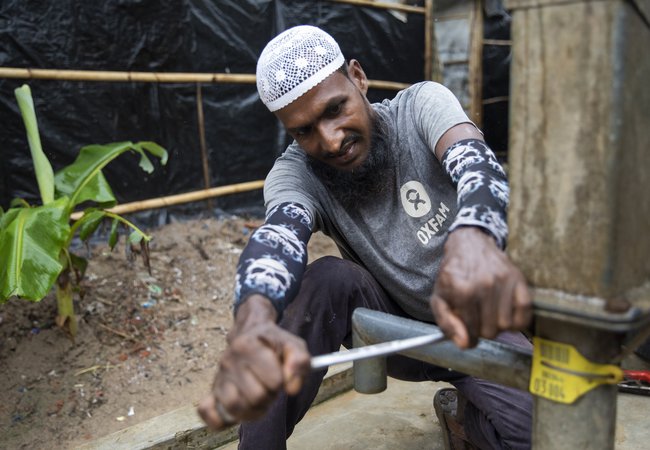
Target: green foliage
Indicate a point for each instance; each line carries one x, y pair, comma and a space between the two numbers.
42, 166
34, 240
30, 242
83, 179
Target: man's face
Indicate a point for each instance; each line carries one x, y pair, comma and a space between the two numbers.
332, 121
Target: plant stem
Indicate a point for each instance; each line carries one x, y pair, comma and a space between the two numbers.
129, 224
73, 230
42, 166
66, 318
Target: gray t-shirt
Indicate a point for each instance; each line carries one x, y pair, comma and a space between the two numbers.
397, 236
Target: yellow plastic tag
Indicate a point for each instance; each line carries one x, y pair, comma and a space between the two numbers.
561, 374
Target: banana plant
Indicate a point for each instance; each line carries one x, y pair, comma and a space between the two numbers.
35, 239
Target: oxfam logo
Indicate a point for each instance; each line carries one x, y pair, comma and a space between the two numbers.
415, 200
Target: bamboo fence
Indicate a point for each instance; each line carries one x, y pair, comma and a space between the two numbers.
432, 71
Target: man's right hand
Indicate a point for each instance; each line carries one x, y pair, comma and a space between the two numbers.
260, 361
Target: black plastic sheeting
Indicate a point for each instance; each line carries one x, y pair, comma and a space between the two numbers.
243, 138
496, 76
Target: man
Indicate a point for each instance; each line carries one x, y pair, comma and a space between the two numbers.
413, 197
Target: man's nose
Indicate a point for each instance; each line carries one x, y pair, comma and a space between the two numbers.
330, 138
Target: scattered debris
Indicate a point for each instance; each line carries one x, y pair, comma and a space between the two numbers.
94, 369
159, 330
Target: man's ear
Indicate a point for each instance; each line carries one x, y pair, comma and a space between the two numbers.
358, 76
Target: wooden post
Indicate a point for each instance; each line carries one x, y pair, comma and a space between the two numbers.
432, 67
579, 213
475, 76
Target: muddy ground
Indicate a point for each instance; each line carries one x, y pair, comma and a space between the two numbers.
147, 343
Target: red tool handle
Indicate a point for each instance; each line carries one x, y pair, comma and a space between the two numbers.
639, 375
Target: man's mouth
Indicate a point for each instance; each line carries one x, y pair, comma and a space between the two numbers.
348, 152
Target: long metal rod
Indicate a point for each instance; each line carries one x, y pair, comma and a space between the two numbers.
491, 360
372, 351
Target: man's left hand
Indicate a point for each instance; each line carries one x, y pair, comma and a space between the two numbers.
479, 291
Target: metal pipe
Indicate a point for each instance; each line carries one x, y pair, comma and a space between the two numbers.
369, 374
490, 360
590, 422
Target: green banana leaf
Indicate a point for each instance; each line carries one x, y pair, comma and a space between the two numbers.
112, 237
83, 179
42, 166
91, 220
31, 240
97, 190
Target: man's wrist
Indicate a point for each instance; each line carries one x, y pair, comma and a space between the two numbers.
470, 233
253, 311
475, 229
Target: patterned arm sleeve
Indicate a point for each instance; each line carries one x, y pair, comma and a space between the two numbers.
483, 192
274, 260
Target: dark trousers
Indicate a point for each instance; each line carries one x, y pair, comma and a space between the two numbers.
496, 417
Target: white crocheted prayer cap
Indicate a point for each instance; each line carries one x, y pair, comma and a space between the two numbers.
293, 62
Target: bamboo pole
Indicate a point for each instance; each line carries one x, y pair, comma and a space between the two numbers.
505, 42
456, 62
390, 85
113, 76
384, 5
428, 31
205, 163
177, 199
490, 101
476, 65
432, 66
154, 77
453, 16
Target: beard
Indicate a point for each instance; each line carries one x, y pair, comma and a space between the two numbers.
368, 180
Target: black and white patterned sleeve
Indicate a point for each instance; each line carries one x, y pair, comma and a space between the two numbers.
274, 260
482, 186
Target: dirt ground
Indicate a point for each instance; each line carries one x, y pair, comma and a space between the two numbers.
147, 344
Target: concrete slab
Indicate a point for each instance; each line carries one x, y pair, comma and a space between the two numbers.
632, 422
399, 418
402, 418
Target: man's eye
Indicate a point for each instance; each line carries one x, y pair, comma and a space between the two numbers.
302, 132
335, 109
